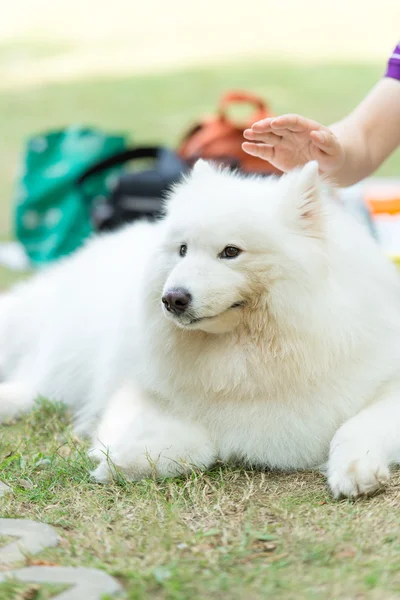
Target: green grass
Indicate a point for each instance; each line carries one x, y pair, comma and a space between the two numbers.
228, 533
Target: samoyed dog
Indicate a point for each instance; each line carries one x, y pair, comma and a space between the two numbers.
256, 322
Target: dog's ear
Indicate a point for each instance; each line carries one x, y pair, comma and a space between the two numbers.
305, 192
202, 167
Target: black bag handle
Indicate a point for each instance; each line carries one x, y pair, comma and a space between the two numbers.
119, 159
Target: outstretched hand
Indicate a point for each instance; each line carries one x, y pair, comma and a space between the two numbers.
290, 141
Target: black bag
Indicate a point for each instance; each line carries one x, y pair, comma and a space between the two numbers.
137, 194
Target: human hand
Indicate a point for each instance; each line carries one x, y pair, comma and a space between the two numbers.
291, 141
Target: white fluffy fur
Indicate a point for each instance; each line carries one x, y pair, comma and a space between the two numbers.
305, 369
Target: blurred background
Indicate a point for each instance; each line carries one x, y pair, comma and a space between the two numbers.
152, 68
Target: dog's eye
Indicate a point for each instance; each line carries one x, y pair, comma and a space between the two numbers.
183, 250
230, 252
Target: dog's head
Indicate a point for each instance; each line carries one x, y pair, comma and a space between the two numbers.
236, 245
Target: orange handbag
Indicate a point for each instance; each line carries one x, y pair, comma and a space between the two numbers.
220, 139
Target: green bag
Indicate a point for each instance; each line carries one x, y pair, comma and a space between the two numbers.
52, 215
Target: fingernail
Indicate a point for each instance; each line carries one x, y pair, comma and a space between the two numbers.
259, 124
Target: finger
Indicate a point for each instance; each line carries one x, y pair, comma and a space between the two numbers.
260, 150
326, 162
325, 141
294, 123
249, 134
263, 125
272, 139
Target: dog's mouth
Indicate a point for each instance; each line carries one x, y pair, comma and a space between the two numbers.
186, 320
208, 317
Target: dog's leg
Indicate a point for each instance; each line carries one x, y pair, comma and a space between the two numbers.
364, 447
15, 399
135, 438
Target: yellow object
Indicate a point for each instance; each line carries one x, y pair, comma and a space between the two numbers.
396, 259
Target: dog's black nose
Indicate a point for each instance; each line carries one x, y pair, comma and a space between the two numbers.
177, 301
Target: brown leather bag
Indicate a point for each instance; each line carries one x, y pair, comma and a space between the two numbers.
219, 139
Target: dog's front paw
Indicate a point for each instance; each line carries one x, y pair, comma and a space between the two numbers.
356, 476
111, 468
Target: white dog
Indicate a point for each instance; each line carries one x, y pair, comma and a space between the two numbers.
256, 322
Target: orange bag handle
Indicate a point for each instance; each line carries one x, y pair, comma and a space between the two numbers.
238, 97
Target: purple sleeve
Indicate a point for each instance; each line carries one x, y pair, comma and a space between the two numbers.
393, 68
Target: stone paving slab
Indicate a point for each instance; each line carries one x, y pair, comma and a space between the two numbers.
87, 584
32, 537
